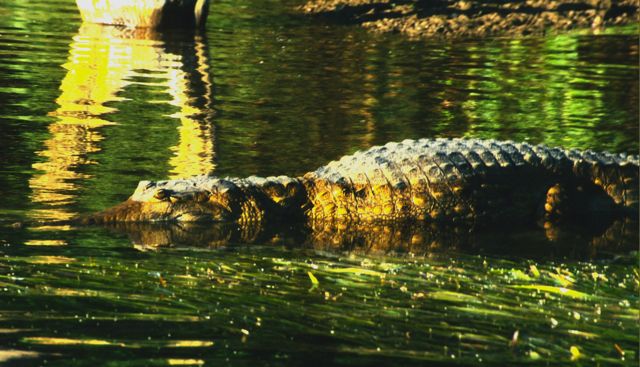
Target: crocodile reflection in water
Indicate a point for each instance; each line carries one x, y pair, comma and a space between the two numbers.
620, 237
103, 62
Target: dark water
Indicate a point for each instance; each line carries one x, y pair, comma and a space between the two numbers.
87, 111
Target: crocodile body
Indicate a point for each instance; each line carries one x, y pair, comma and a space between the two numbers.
427, 181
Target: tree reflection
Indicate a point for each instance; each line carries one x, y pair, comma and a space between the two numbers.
104, 62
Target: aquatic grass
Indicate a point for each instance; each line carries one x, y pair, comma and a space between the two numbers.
435, 302
554, 290
413, 308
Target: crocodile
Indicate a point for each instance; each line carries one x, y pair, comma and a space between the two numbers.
459, 181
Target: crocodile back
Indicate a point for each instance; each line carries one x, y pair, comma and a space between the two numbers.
461, 179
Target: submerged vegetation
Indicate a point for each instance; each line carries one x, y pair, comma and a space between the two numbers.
292, 305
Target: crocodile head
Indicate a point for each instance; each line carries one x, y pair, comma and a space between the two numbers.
194, 200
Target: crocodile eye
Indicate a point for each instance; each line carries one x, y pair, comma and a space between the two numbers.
292, 189
274, 189
161, 194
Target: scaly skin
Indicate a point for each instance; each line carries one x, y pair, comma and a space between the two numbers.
432, 181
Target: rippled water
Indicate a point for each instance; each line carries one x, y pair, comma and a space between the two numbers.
87, 111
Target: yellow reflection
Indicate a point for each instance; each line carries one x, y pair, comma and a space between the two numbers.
45, 243
49, 260
194, 154
65, 341
7, 354
100, 342
13, 331
65, 150
190, 343
51, 228
103, 62
184, 362
74, 292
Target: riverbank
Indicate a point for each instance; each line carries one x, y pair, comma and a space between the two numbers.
447, 18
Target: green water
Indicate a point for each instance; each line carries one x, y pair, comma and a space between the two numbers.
86, 112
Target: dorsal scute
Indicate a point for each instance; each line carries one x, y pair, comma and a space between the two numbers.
456, 162
455, 158
528, 154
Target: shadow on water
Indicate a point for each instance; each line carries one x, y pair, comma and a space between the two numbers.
104, 63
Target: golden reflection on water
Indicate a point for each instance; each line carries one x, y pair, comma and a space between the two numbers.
194, 155
103, 62
65, 341
8, 354
40, 242
124, 344
185, 362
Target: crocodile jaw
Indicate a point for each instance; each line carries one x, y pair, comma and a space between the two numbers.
171, 201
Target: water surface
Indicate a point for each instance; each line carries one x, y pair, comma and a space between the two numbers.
87, 111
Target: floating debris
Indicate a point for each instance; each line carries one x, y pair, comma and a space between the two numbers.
575, 352
314, 280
